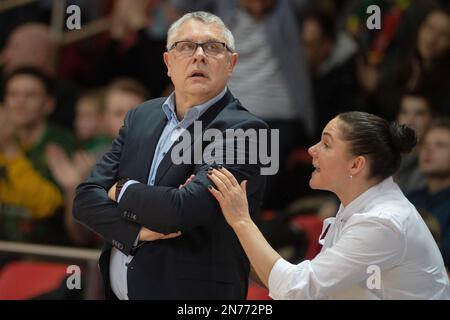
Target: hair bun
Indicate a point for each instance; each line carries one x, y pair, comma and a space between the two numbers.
403, 137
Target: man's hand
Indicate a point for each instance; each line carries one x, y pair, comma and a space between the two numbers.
149, 235
112, 192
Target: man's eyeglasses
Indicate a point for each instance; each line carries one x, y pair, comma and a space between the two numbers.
210, 48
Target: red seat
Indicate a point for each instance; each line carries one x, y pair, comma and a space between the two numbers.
256, 292
24, 280
312, 224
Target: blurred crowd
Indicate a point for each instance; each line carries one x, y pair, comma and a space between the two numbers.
301, 62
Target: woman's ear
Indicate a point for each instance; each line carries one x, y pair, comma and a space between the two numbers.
359, 164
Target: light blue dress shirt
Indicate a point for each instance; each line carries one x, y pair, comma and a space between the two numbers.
172, 131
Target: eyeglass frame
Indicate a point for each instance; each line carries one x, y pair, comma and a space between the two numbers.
201, 44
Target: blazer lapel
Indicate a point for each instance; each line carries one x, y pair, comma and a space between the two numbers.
152, 130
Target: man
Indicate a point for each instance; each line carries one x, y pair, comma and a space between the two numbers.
415, 111
434, 161
31, 198
271, 79
31, 45
121, 95
141, 219
331, 60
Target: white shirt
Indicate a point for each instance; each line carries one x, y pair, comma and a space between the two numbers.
378, 247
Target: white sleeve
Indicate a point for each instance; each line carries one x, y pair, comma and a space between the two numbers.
373, 241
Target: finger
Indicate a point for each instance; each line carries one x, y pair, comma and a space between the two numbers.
217, 194
172, 235
228, 174
221, 186
244, 186
223, 178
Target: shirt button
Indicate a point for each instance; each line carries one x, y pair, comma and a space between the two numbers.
153, 181
163, 154
126, 264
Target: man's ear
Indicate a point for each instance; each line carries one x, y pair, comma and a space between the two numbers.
166, 58
359, 164
233, 60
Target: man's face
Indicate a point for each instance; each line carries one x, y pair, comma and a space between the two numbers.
434, 36
435, 153
258, 8
87, 118
117, 105
415, 112
29, 45
198, 78
317, 47
27, 101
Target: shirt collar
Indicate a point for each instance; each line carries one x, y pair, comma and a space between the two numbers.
193, 113
363, 202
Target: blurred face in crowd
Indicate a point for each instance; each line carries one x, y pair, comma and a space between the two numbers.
258, 8
88, 118
117, 104
317, 47
415, 112
434, 36
199, 77
29, 45
435, 153
331, 159
27, 101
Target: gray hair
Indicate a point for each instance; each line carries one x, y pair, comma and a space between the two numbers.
207, 18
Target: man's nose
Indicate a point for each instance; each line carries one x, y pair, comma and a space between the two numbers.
199, 54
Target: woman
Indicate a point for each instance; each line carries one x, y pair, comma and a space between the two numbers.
377, 247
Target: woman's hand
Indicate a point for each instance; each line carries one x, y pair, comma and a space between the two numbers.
232, 197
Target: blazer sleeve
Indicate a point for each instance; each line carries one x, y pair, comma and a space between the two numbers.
168, 209
94, 209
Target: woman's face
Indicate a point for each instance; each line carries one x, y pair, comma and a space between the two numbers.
331, 160
434, 36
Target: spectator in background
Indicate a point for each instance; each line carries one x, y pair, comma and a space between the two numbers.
89, 112
425, 66
122, 95
435, 164
70, 171
332, 66
416, 112
31, 200
119, 97
134, 50
31, 45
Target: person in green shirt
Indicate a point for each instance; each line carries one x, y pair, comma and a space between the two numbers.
31, 201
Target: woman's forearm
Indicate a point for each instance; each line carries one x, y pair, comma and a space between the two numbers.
261, 255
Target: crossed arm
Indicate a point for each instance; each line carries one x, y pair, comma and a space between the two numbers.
160, 210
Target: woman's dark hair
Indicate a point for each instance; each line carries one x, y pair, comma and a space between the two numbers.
381, 142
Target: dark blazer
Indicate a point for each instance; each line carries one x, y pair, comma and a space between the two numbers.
206, 261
